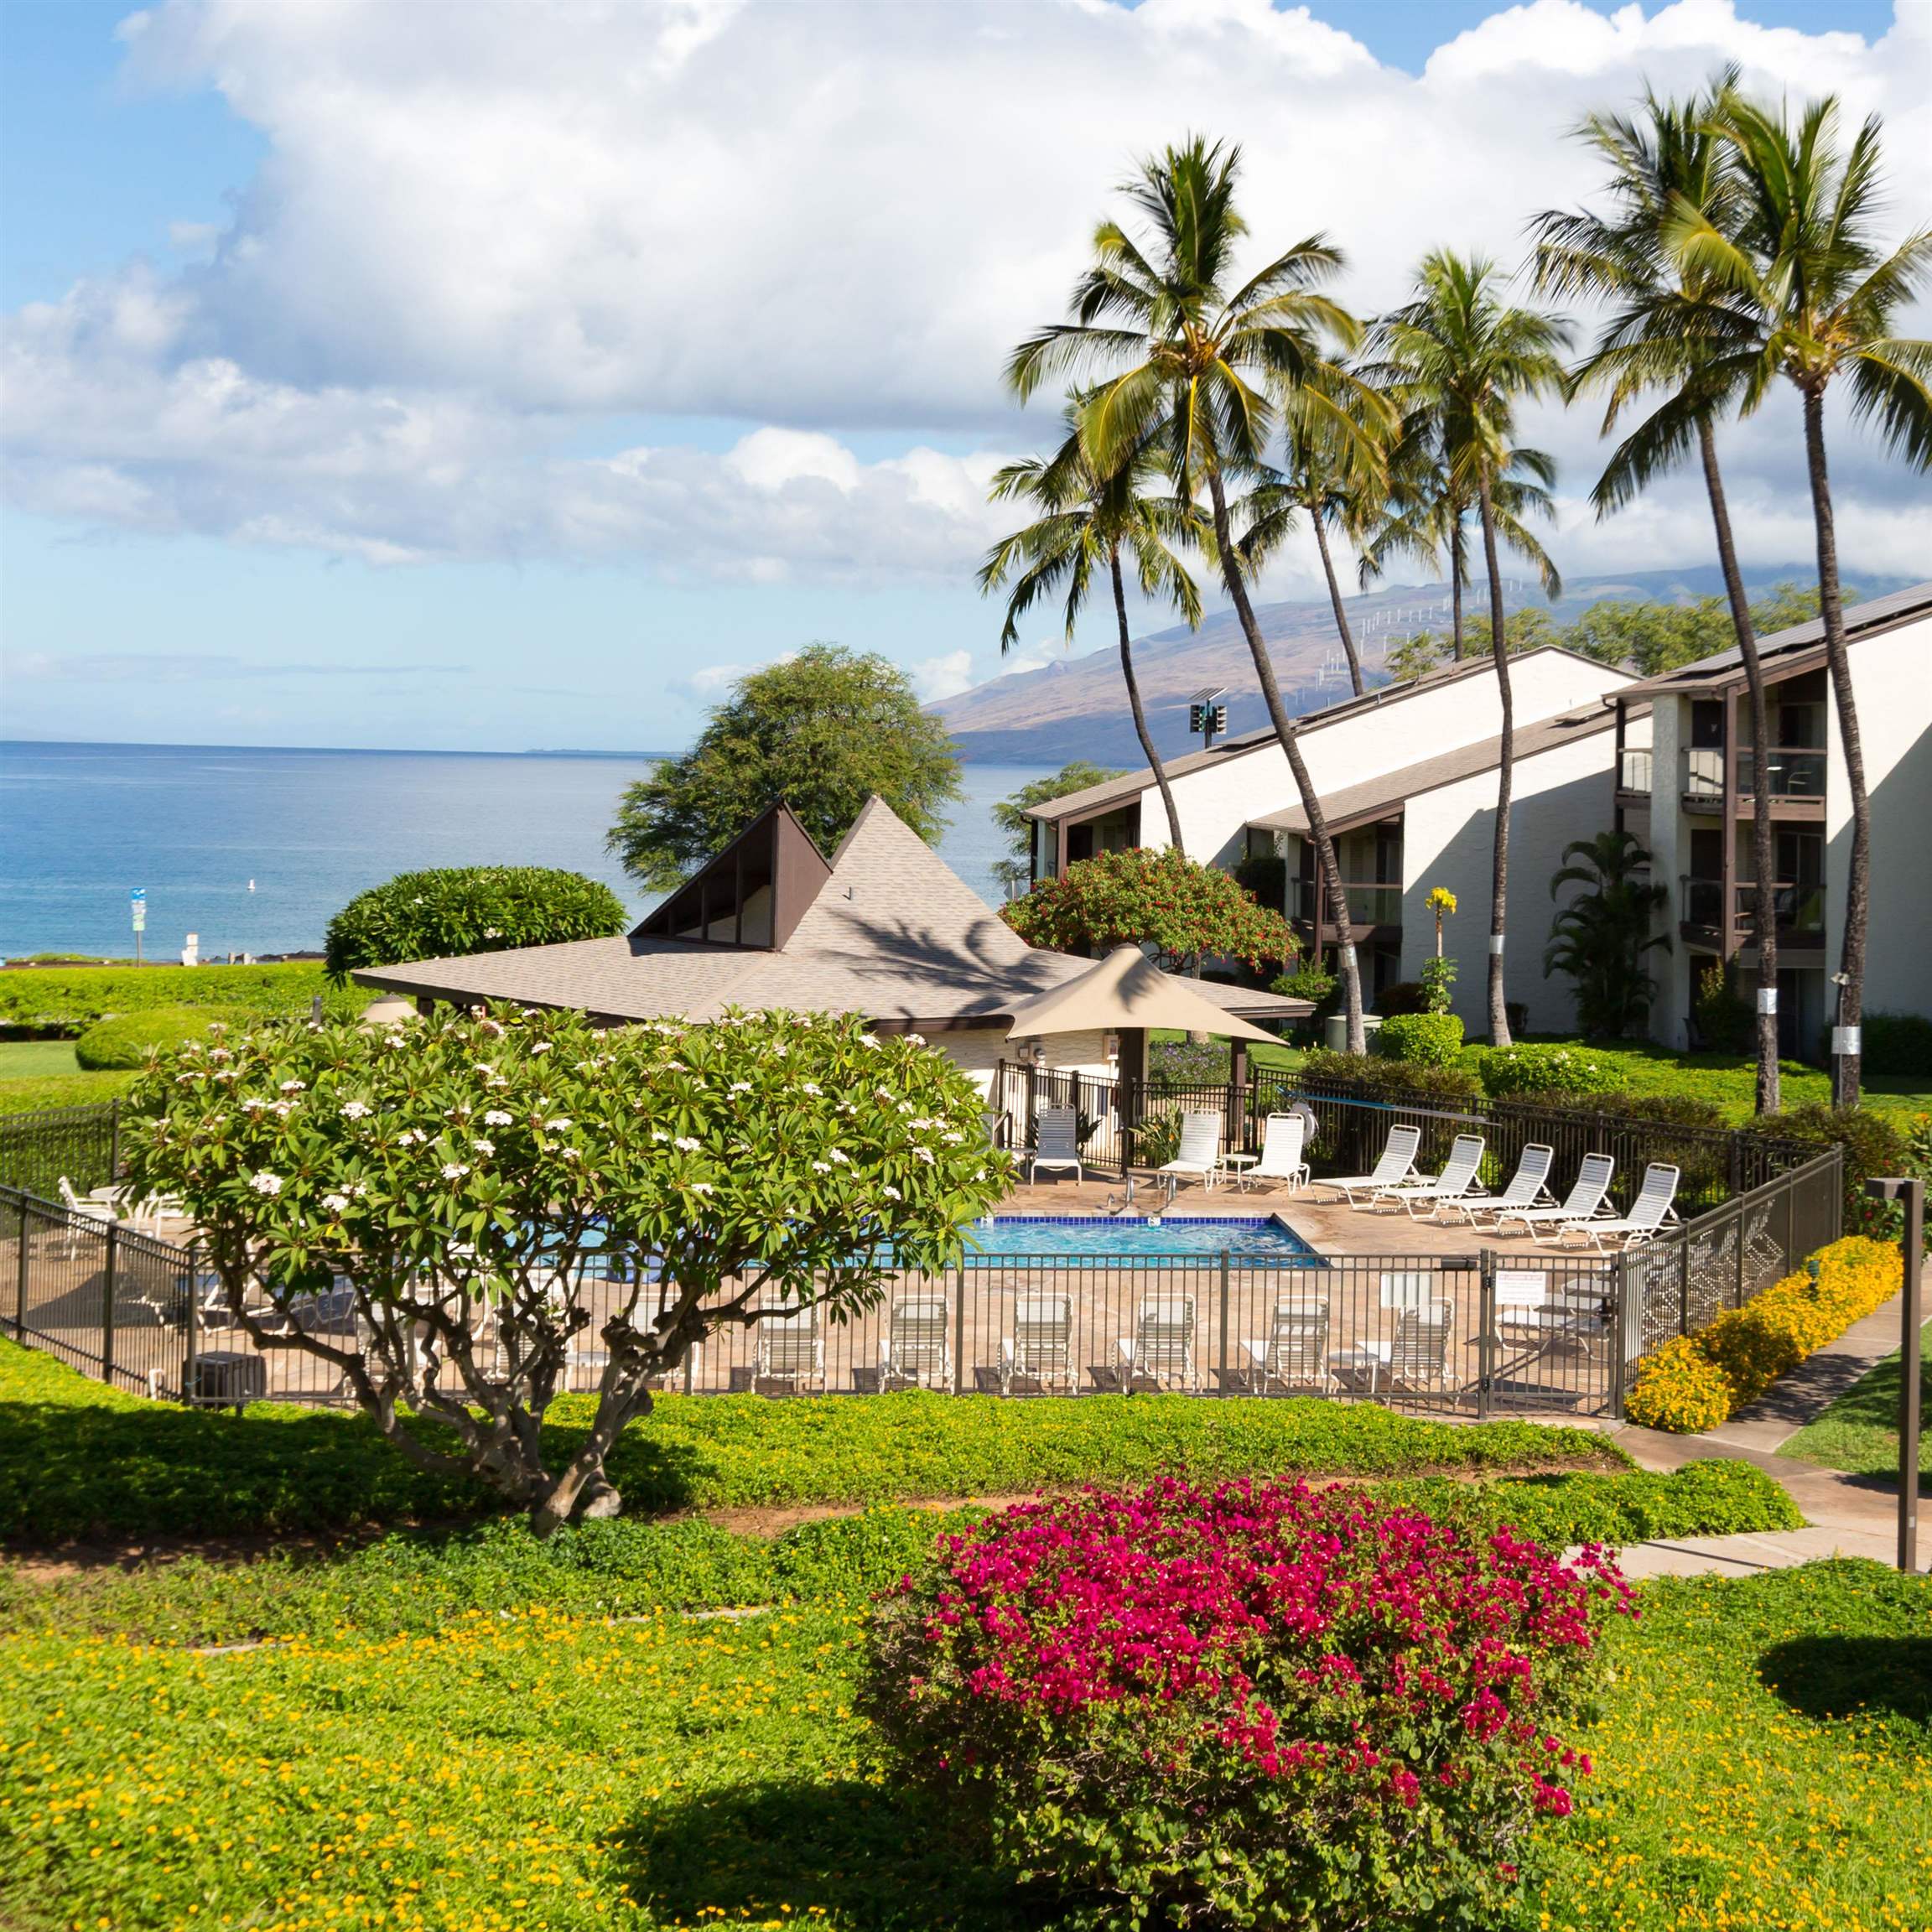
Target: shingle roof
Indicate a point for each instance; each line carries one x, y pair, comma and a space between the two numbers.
895, 934
1374, 798
1725, 666
1132, 784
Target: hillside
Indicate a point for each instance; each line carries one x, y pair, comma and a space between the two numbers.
1076, 708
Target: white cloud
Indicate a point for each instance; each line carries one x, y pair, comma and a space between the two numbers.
944, 676
479, 230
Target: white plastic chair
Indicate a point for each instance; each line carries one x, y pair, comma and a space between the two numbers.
1295, 1353
1419, 1354
1281, 1158
1457, 1177
1041, 1347
1655, 1205
791, 1347
1528, 1187
1057, 1143
1583, 1202
1163, 1346
1396, 1164
1199, 1157
917, 1351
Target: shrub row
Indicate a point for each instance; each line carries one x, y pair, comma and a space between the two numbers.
123, 1044
68, 1000
1549, 1069
1420, 1039
1696, 1382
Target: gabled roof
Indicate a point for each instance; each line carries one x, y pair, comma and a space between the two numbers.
1800, 648
893, 934
1124, 790
1376, 797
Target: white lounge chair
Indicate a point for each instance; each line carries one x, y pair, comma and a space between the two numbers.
917, 1351
1161, 1349
1281, 1156
1419, 1355
1199, 1157
1528, 1187
1294, 1354
1056, 1143
1401, 1294
1583, 1202
1655, 1205
88, 1210
1457, 1177
1040, 1349
1396, 1165
791, 1347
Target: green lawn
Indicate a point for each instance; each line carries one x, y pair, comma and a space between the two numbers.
1859, 1432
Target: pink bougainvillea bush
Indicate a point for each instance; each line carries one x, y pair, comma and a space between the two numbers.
1264, 1706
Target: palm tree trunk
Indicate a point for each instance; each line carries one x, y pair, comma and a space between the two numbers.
1763, 861
1505, 778
1335, 599
1858, 872
1325, 869
1154, 763
1456, 587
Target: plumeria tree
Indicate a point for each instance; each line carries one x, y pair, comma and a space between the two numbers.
1163, 899
501, 1192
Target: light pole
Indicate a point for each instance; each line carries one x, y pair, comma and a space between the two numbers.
1840, 1046
1911, 1195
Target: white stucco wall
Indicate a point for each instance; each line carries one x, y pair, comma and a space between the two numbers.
978, 1051
1891, 686
1217, 802
1448, 839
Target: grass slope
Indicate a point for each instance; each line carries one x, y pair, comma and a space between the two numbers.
1859, 1431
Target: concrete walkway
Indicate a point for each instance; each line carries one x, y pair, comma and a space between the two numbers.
1848, 1515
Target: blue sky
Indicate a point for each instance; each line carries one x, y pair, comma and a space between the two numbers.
456, 376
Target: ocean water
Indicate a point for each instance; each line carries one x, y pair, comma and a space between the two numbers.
255, 850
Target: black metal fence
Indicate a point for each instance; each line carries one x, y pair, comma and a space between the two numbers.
82, 1145
1126, 1123
1512, 1327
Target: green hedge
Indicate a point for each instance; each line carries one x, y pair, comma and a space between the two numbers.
1511, 1070
1420, 1039
119, 1045
68, 1000
1380, 1080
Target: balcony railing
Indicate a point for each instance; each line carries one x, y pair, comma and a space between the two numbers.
1794, 772
1703, 773
1634, 772
1801, 908
1370, 903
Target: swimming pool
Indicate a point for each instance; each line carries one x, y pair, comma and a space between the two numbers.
1127, 1237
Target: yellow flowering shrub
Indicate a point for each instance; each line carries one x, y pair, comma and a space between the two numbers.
1696, 1382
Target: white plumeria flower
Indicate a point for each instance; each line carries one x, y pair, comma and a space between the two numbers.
809, 1087
925, 1154
336, 1202
841, 1156
254, 1105
485, 1146
572, 1154
494, 1028
676, 1066
226, 1074
686, 1143
356, 1110
540, 1046
293, 1087
869, 1040
498, 1118
491, 932
282, 1108
892, 1193
915, 1039
409, 1136
266, 1183
952, 1139
820, 1167
454, 1169
661, 1138
703, 1187
561, 1124
740, 1087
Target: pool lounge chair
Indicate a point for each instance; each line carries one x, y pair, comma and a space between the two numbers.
1056, 1144
1199, 1157
1040, 1350
1456, 1179
1161, 1349
917, 1351
1281, 1156
791, 1347
1583, 1202
1655, 1205
1294, 1354
1408, 1293
1419, 1355
1528, 1187
1397, 1164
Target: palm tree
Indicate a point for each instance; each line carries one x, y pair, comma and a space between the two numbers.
1801, 261
1673, 334
1185, 358
1461, 360
1087, 520
1600, 938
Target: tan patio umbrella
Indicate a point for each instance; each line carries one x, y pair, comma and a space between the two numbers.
1127, 990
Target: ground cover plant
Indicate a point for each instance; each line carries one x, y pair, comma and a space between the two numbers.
1859, 1431
78, 1460
1264, 1706
1696, 1382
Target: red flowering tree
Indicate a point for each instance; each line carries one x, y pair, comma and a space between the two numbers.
1265, 1707
1185, 910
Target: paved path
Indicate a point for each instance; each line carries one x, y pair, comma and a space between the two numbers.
1848, 1515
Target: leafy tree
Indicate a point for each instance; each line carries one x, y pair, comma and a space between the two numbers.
1009, 815
1089, 517
1672, 339
1184, 910
1193, 356
1460, 360
1815, 297
822, 732
454, 911
498, 1191
1600, 938
1653, 637
1413, 656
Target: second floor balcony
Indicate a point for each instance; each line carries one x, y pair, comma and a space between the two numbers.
1799, 910
1797, 775
1370, 903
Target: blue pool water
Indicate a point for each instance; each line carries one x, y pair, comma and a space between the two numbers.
1257, 1237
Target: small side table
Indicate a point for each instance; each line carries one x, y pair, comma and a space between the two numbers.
1235, 1167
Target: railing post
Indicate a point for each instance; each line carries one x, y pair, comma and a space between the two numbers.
1620, 1323
1485, 1332
107, 1303
114, 1140
960, 1327
191, 1344
1222, 1372
20, 1284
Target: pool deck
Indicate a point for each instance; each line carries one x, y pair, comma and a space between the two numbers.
1324, 1222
